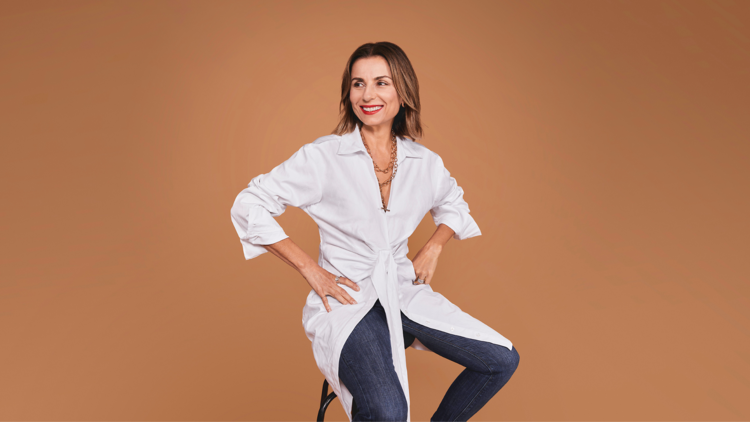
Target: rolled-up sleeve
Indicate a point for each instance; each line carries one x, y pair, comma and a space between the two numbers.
294, 182
449, 207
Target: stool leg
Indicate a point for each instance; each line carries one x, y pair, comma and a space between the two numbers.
325, 400
325, 392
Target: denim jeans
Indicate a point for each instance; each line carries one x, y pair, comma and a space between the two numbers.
366, 368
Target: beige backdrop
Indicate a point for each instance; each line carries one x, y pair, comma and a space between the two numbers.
603, 149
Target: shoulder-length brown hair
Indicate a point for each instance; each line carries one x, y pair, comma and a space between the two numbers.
406, 123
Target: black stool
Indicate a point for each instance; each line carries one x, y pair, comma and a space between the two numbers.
326, 399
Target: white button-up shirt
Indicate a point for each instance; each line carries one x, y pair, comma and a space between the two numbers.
333, 180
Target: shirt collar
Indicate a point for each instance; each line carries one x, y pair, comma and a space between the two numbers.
352, 142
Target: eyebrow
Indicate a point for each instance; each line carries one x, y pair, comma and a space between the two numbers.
378, 77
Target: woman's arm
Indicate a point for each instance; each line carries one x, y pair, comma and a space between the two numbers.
425, 261
449, 206
296, 182
322, 281
451, 215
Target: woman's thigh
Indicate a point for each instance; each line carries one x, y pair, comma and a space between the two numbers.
476, 355
366, 369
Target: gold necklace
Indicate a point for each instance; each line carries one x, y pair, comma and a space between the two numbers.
393, 164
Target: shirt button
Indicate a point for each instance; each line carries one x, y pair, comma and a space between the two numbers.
479, 334
453, 329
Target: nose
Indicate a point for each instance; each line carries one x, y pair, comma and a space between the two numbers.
369, 93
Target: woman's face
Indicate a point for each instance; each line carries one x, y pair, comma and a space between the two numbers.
372, 93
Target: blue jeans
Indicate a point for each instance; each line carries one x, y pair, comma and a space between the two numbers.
366, 368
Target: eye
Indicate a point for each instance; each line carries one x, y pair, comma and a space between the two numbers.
357, 84
384, 83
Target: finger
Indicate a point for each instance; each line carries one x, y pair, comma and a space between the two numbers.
427, 279
349, 283
346, 298
325, 302
420, 279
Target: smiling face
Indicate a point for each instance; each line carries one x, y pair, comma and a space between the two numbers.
373, 94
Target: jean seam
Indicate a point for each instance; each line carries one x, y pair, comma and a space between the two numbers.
474, 398
467, 351
359, 386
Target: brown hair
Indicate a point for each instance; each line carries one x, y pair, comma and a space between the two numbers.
406, 123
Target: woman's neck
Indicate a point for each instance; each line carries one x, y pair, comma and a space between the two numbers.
378, 137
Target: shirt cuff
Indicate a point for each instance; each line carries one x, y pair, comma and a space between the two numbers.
254, 247
463, 225
261, 229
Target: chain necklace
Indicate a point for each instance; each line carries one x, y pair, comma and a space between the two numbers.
393, 164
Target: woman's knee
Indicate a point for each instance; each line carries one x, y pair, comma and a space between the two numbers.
515, 358
505, 361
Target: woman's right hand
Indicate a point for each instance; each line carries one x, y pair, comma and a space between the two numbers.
324, 283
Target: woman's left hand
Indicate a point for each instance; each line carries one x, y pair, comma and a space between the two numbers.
425, 262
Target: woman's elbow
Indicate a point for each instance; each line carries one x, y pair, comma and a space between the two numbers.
239, 210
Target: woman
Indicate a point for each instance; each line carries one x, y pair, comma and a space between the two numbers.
367, 187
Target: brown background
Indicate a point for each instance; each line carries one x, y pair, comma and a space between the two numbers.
602, 146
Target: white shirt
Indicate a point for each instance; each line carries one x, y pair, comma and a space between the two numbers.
333, 180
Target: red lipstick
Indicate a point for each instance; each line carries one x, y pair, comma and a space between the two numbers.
371, 111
